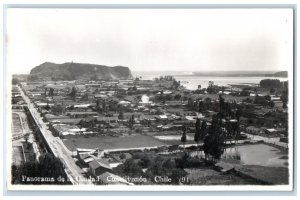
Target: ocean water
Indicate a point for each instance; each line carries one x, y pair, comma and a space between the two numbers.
191, 81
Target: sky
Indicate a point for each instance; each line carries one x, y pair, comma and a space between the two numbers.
151, 39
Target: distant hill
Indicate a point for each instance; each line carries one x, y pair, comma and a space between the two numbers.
78, 71
280, 74
243, 74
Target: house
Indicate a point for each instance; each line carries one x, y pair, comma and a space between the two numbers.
85, 159
125, 103
128, 115
252, 130
176, 103
188, 113
271, 131
66, 121
210, 113
99, 166
81, 114
107, 119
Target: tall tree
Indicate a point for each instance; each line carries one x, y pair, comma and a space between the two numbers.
197, 132
183, 137
121, 115
214, 140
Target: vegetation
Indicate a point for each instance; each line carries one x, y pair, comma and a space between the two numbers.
270, 83
48, 166
15, 81
155, 165
57, 109
183, 137
214, 140
72, 71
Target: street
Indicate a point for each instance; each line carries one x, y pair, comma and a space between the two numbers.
72, 170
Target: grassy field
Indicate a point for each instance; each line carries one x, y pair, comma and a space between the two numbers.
108, 142
17, 155
198, 176
16, 124
272, 175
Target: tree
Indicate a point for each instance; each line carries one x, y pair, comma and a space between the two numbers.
271, 104
177, 97
57, 109
261, 100
121, 115
73, 93
48, 166
201, 107
245, 93
214, 140
197, 132
284, 105
15, 81
284, 96
51, 92
223, 89
47, 107
222, 106
190, 103
272, 90
104, 106
131, 122
270, 83
129, 168
203, 130
268, 97
183, 137
210, 88
238, 114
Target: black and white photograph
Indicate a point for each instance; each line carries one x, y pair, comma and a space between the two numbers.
194, 99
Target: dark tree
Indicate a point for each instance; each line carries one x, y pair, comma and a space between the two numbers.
271, 104
121, 115
47, 107
284, 105
131, 122
270, 83
197, 132
48, 166
51, 92
183, 137
129, 168
201, 107
214, 140
268, 97
57, 109
15, 81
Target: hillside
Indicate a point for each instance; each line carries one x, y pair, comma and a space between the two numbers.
78, 71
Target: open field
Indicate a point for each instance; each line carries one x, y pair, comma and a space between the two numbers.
209, 176
108, 142
16, 124
17, 157
271, 175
